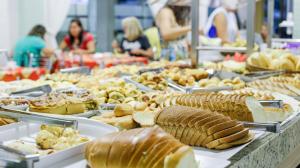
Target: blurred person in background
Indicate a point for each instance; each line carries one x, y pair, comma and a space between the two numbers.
172, 19
78, 41
32, 45
222, 22
134, 41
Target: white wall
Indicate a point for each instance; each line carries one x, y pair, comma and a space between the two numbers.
31, 12
8, 23
17, 17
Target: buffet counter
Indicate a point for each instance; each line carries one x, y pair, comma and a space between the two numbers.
272, 150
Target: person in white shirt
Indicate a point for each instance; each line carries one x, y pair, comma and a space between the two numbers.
222, 22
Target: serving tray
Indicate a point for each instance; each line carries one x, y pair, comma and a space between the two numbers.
27, 131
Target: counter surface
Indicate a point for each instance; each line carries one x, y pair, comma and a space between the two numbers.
271, 150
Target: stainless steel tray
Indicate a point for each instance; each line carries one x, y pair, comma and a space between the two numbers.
26, 131
80, 70
140, 86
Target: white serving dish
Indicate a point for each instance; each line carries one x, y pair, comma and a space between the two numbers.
27, 131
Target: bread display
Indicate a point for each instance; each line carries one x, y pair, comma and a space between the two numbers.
230, 65
152, 80
274, 60
236, 106
6, 121
236, 83
273, 84
115, 71
257, 94
202, 128
67, 77
64, 103
13, 101
143, 147
112, 91
286, 80
185, 77
49, 139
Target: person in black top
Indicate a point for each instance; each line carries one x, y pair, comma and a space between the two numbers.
134, 41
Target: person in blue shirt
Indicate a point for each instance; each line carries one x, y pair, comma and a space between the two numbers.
29, 50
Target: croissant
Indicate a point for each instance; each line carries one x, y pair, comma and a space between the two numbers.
202, 128
236, 106
140, 148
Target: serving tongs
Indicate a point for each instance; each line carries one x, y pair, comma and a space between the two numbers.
265, 74
33, 92
272, 103
10, 157
155, 70
138, 85
230, 75
270, 126
80, 70
107, 106
175, 86
36, 118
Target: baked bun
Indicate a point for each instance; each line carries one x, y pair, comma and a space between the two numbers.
142, 147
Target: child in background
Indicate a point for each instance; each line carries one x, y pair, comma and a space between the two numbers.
134, 41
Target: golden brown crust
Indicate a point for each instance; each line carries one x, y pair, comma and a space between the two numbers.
200, 128
232, 105
143, 147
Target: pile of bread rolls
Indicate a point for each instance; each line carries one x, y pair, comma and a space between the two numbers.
285, 61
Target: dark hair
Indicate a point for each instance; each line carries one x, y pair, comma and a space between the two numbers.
38, 30
182, 13
78, 22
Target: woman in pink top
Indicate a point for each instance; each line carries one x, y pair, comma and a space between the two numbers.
78, 41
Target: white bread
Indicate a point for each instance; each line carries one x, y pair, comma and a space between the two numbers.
232, 105
142, 147
145, 119
201, 128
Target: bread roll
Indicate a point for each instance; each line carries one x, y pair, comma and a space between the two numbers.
143, 147
202, 128
123, 110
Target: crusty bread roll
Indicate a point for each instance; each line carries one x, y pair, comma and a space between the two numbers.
236, 106
142, 147
123, 110
291, 57
260, 59
202, 128
283, 64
